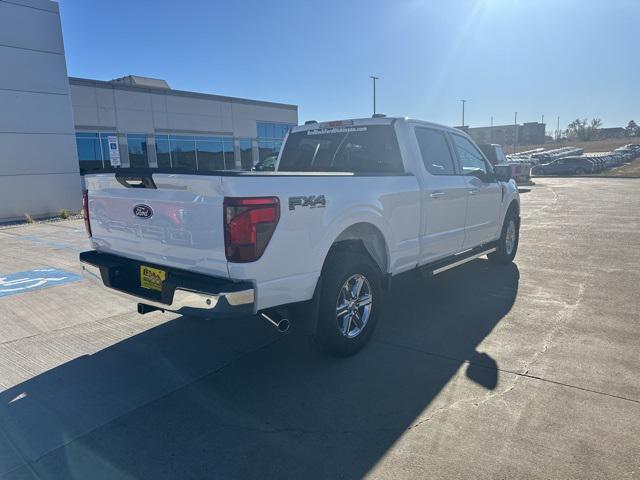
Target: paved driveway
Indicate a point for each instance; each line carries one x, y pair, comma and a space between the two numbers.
525, 371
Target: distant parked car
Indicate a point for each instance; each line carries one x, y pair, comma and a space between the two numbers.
267, 164
599, 163
565, 166
618, 158
628, 152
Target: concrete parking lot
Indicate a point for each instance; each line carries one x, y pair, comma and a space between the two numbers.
525, 371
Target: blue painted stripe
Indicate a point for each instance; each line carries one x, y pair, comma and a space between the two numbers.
30, 280
51, 244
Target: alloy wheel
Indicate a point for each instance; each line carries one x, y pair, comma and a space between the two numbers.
354, 304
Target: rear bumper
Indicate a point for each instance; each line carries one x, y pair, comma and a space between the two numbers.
183, 292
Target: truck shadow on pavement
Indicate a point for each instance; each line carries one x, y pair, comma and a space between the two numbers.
194, 399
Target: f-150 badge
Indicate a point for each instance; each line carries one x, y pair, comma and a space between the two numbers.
311, 201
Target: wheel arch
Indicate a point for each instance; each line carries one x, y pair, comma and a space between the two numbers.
366, 237
514, 206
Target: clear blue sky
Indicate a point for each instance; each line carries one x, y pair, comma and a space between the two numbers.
566, 58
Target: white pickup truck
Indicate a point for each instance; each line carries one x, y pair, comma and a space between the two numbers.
351, 205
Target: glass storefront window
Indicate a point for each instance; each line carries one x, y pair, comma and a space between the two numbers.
206, 153
93, 150
265, 149
163, 151
210, 156
229, 153
89, 154
272, 131
246, 154
183, 152
270, 137
138, 156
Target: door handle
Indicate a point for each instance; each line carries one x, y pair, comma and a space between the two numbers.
473, 191
437, 194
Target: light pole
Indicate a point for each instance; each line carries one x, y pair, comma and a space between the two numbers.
558, 130
374, 78
491, 129
463, 102
515, 132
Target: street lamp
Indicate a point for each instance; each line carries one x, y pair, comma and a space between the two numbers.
463, 102
374, 78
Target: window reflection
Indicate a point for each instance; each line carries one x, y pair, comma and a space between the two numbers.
138, 156
163, 151
246, 154
210, 156
270, 136
183, 152
93, 150
203, 153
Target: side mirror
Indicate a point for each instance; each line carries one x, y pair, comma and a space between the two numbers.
503, 172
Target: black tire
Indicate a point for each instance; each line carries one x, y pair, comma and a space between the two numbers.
506, 251
341, 267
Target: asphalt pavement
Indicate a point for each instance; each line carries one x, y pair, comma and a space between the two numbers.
530, 370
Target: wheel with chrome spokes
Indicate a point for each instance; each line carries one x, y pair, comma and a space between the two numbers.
349, 299
510, 238
508, 242
354, 304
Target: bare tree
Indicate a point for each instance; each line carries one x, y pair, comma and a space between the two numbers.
595, 125
582, 129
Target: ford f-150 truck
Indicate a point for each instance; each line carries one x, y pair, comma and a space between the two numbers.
350, 206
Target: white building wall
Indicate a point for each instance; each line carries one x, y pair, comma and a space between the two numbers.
39, 172
99, 105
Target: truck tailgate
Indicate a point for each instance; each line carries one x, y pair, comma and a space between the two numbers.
166, 219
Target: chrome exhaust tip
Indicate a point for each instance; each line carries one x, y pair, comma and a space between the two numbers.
282, 324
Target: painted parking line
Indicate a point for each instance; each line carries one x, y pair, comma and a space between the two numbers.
30, 280
50, 243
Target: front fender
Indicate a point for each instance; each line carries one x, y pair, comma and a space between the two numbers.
511, 194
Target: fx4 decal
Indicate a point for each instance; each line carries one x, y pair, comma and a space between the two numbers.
311, 201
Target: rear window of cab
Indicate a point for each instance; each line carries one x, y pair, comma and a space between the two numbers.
358, 149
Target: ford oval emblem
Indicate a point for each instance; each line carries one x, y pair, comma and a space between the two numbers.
142, 211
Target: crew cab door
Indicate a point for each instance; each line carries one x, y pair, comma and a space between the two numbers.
484, 194
444, 196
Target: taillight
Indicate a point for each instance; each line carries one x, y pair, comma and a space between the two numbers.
249, 224
85, 211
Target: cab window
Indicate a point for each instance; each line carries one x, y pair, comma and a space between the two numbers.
359, 149
469, 157
435, 152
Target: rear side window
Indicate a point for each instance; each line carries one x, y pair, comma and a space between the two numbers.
435, 152
358, 149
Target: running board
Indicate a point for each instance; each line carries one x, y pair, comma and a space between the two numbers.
456, 260
464, 260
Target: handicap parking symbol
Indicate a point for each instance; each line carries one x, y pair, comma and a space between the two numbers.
30, 280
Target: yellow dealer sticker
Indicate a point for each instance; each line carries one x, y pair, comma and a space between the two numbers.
151, 278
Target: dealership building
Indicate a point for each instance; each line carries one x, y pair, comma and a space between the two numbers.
54, 128
529, 133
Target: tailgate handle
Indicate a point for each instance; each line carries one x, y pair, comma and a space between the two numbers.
136, 181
